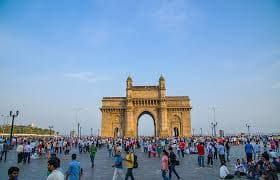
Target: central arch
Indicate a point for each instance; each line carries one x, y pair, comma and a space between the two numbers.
154, 122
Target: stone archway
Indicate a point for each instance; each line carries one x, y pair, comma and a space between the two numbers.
116, 132
124, 112
154, 122
176, 131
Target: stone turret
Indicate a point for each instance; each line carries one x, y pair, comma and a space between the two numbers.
162, 82
129, 82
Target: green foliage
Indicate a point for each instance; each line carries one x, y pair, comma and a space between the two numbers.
19, 129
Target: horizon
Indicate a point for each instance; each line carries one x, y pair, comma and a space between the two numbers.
59, 58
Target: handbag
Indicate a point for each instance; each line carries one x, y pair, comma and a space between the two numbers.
177, 162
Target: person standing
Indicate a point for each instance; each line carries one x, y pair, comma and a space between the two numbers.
109, 147
20, 152
227, 147
249, 150
53, 165
4, 151
149, 149
164, 165
221, 151
92, 151
210, 153
182, 146
257, 150
74, 169
200, 152
130, 164
27, 152
118, 172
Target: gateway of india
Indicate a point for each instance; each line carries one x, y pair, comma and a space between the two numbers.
171, 114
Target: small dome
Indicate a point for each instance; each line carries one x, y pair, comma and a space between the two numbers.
161, 78
129, 78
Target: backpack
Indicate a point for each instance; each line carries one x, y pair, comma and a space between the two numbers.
135, 163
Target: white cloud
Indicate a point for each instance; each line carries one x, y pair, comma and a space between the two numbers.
86, 76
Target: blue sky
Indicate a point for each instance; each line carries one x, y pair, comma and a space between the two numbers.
57, 56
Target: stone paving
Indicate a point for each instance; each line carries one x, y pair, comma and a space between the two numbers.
149, 168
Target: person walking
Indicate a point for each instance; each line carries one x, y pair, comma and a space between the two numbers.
4, 151
118, 172
172, 163
74, 171
53, 165
130, 164
92, 151
164, 165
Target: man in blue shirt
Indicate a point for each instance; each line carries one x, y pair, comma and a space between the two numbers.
118, 173
74, 170
221, 152
249, 150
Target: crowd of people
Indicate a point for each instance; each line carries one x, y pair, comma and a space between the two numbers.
261, 158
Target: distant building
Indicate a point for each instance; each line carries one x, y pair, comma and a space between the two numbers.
72, 133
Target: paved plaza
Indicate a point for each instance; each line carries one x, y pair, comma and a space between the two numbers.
149, 168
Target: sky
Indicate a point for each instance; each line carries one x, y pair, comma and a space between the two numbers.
59, 58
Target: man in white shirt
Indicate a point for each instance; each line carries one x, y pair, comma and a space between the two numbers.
27, 152
224, 173
53, 165
20, 152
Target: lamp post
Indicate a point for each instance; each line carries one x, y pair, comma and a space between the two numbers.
214, 124
50, 127
13, 115
90, 131
200, 131
80, 131
212, 129
193, 131
248, 127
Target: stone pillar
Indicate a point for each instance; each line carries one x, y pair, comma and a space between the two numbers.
186, 123
106, 129
130, 122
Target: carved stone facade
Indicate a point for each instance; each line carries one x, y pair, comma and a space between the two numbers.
171, 114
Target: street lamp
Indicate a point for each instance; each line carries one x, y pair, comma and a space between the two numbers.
50, 127
248, 127
193, 131
200, 131
90, 131
80, 131
214, 124
13, 115
77, 123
